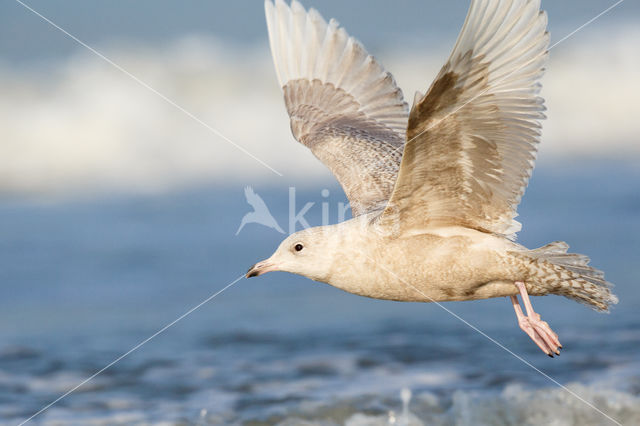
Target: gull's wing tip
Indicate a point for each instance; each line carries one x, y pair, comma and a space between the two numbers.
319, 65
492, 76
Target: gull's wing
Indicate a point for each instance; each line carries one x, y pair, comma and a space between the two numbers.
343, 105
472, 140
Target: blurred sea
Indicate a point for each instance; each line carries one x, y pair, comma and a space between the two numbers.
118, 214
84, 281
77, 124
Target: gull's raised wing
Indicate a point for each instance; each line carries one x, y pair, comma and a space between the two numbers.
471, 140
343, 105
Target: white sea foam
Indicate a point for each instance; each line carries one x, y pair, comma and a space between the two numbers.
82, 125
513, 406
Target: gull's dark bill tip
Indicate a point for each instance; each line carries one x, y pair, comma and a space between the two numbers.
252, 272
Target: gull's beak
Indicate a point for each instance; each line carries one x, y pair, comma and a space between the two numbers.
261, 268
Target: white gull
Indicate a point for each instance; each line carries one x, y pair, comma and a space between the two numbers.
433, 190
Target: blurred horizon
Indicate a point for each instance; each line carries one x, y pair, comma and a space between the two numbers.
76, 125
379, 24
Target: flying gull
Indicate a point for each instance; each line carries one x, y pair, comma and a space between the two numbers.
434, 189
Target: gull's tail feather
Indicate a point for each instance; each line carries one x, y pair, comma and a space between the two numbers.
569, 275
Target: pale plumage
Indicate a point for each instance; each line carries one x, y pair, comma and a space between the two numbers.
433, 218
343, 105
472, 138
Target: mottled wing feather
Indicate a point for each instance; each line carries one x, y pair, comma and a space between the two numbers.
343, 105
471, 140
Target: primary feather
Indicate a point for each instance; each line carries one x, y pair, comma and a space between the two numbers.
343, 105
471, 140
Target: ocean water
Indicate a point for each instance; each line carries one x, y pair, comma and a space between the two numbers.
86, 279
119, 213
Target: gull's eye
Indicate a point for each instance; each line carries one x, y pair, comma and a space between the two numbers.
298, 247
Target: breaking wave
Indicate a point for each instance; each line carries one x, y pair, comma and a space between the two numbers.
513, 406
82, 125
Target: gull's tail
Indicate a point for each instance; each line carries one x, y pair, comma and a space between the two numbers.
569, 275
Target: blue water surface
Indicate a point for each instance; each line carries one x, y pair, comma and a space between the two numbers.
84, 280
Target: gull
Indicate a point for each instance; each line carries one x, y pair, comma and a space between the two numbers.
433, 190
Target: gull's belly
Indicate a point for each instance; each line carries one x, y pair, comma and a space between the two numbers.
429, 268
459, 275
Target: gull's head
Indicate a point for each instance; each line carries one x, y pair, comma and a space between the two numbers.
309, 252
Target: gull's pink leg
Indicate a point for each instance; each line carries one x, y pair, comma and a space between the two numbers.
524, 324
538, 330
534, 318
